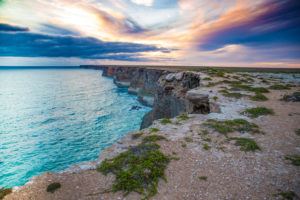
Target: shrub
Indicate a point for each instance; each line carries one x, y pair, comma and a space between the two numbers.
216, 72
53, 187
203, 178
279, 87
183, 117
259, 97
249, 88
138, 169
297, 132
231, 94
206, 147
288, 195
165, 121
153, 138
246, 144
295, 159
228, 126
188, 139
258, 111
154, 130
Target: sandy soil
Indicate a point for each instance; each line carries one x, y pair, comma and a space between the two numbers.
231, 173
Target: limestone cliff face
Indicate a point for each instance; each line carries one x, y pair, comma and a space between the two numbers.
172, 97
168, 93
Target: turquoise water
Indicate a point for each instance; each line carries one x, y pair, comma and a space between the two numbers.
52, 119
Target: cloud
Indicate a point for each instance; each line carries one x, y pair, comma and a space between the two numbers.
11, 28
276, 23
29, 44
143, 2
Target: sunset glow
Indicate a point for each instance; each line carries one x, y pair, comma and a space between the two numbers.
174, 32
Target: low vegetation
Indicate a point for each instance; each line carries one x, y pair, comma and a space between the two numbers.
239, 86
294, 159
287, 195
188, 139
297, 132
226, 93
203, 178
207, 79
228, 126
136, 135
246, 144
259, 97
258, 111
183, 117
215, 72
154, 130
206, 147
4, 192
138, 169
165, 121
153, 138
52, 187
279, 87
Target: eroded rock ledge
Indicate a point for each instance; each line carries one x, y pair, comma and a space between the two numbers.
169, 93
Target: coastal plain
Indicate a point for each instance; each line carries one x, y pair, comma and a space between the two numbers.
227, 134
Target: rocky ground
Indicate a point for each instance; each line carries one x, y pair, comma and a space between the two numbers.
207, 162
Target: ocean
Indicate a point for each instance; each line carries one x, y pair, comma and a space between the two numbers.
51, 119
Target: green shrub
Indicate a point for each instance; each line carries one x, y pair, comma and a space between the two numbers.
249, 88
154, 130
287, 195
165, 121
206, 147
137, 170
231, 94
183, 117
258, 97
4, 192
228, 126
246, 144
53, 187
216, 72
295, 159
153, 138
279, 87
258, 111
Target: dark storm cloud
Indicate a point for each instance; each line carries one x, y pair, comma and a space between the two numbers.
11, 28
29, 44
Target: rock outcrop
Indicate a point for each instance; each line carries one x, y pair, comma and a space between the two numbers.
168, 93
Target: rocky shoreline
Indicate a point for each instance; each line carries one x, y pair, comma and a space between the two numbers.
167, 92
200, 115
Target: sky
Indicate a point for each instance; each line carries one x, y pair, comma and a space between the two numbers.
244, 33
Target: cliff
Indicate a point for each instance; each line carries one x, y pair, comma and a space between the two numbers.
169, 93
248, 150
